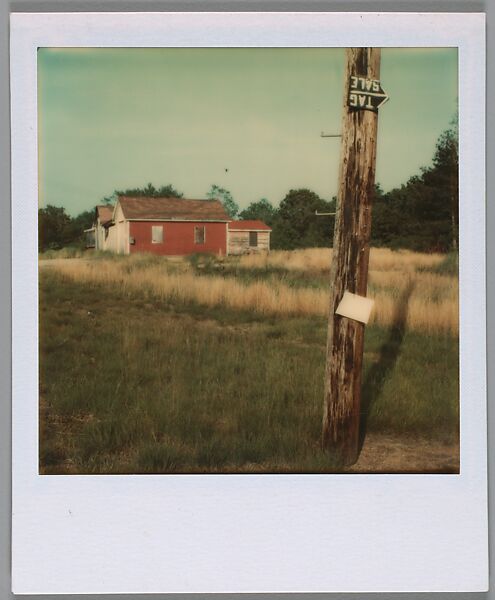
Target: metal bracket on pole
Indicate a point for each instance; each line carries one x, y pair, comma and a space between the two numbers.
330, 135
319, 214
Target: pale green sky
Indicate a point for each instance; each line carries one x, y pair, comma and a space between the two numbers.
116, 118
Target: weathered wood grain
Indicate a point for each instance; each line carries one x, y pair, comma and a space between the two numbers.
349, 269
239, 242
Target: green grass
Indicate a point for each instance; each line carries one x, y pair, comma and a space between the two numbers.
133, 385
76, 252
67, 252
448, 266
269, 274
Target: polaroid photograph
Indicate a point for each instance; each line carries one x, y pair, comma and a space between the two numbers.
248, 302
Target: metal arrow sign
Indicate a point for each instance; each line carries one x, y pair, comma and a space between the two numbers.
365, 94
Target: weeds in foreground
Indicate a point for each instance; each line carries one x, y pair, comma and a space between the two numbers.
129, 384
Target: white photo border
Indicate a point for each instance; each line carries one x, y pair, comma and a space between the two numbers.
248, 533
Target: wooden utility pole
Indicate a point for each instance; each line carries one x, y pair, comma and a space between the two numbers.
349, 270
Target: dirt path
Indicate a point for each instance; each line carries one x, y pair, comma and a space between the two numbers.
383, 453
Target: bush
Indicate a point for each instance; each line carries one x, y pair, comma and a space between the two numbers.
202, 260
449, 265
67, 252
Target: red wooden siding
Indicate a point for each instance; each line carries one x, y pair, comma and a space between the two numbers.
178, 237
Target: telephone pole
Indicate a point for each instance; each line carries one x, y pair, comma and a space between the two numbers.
349, 269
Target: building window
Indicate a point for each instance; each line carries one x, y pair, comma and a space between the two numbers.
199, 235
157, 234
253, 239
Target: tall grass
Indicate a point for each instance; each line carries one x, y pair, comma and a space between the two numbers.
129, 386
318, 259
71, 252
432, 305
67, 252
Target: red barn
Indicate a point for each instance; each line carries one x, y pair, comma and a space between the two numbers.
167, 226
175, 226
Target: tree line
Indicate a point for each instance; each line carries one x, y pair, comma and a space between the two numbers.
420, 215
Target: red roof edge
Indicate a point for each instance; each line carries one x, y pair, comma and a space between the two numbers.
248, 225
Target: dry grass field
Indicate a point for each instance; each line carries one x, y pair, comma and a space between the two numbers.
432, 296
149, 365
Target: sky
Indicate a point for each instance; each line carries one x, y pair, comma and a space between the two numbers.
246, 119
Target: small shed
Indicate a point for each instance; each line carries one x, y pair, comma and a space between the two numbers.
247, 237
97, 235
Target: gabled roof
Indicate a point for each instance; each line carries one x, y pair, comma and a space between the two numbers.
142, 208
248, 226
104, 212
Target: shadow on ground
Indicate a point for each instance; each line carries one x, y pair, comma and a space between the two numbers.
388, 353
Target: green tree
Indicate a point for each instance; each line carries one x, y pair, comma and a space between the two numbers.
259, 211
110, 200
388, 218
445, 175
85, 219
54, 228
77, 226
422, 214
164, 191
296, 225
218, 193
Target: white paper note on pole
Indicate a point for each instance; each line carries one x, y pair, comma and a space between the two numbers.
355, 307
